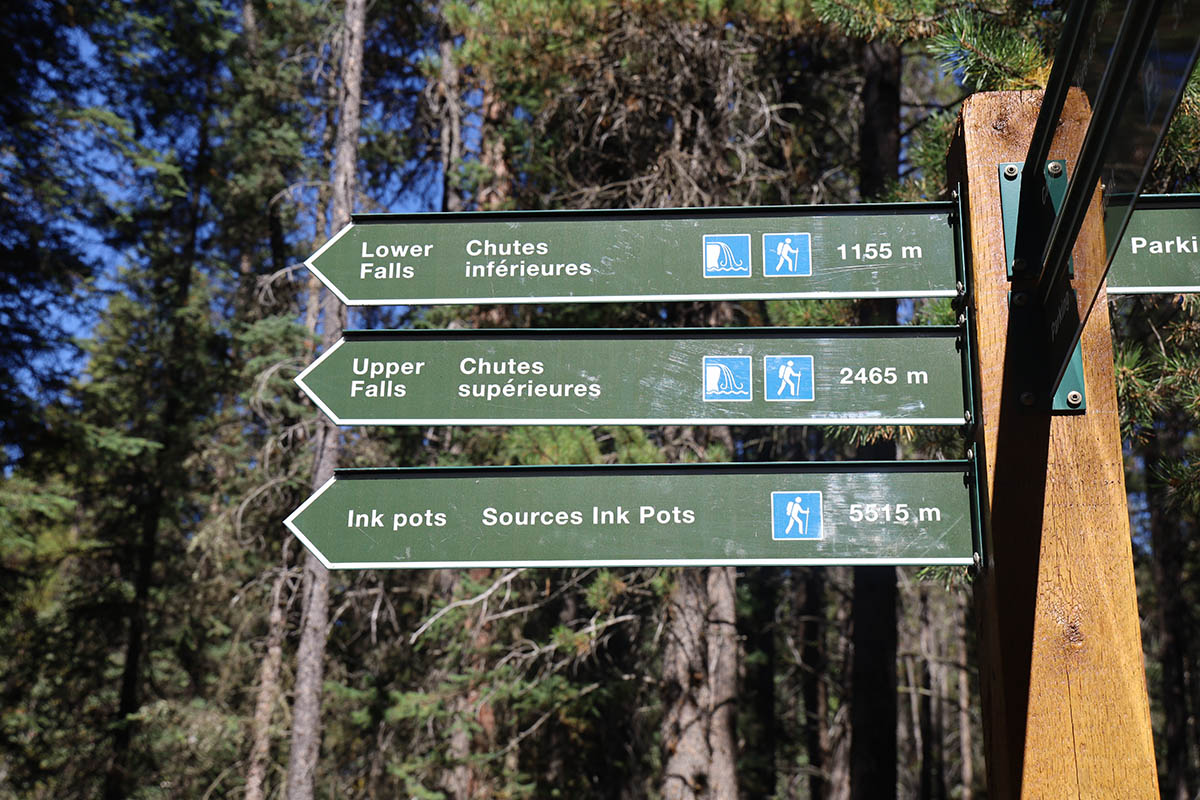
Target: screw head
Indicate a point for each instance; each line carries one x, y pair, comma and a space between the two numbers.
1054, 168
1027, 398
1074, 398
1018, 265
1011, 171
1020, 299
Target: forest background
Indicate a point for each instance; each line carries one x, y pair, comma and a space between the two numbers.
164, 168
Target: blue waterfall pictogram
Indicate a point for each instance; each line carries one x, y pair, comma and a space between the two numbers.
727, 378
727, 255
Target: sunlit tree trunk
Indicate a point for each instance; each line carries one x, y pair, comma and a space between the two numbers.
965, 741
700, 677
268, 694
310, 656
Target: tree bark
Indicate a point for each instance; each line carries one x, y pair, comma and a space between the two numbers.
448, 110
268, 693
759, 740
813, 663
1174, 625
494, 194
879, 134
310, 656
966, 740
933, 782
700, 673
472, 718
873, 702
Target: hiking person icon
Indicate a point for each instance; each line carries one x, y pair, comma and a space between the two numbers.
787, 254
788, 377
795, 516
794, 512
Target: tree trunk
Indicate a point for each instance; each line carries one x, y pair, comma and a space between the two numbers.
760, 665
700, 673
447, 106
268, 693
310, 656
162, 479
472, 719
1174, 626
495, 193
933, 783
873, 681
966, 740
813, 665
873, 673
879, 134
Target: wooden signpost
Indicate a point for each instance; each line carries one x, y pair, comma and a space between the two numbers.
1064, 689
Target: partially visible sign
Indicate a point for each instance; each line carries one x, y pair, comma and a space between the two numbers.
892, 250
1160, 251
916, 512
904, 375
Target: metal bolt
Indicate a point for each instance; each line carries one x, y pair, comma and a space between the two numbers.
1018, 265
958, 285
970, 454
1054, 168
1020, 299
1074, 398
967, 417
1028, 398
1011, 171
954, 194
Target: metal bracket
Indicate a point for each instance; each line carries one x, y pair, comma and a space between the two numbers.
1010, 200
1071, 395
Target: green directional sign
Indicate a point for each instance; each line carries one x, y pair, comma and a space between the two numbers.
1160, 251
836, 376
892, 250
811, 513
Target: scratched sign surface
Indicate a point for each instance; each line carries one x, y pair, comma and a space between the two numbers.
870, 250
911, 512
847, 376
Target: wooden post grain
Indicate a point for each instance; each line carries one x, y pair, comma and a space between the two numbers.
1064, 688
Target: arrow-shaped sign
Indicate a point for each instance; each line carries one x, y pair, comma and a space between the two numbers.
917, 512
886, 250
1160, 251
910, 375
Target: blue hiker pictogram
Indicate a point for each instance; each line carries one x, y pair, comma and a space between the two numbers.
795, 515
787, 255
727, 255
788, 378
727, 378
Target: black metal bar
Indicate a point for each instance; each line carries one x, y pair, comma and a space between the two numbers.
1035, 211
1133, 40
